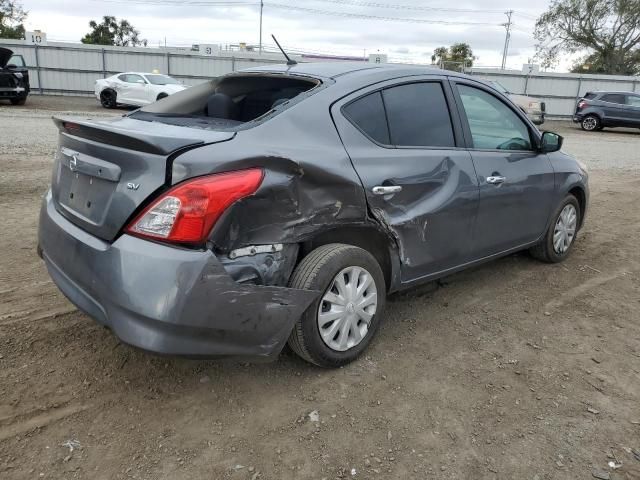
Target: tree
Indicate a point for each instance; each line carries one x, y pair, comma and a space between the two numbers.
609, 30
11, 17
458, 56
112, 32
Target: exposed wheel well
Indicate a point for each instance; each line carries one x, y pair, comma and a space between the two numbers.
366, 237
108, 90
161, 96
582, 201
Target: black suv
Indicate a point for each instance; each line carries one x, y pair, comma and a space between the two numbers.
14, 77
597, 110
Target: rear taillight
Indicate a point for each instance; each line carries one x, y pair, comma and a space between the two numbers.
581, 104
188, 212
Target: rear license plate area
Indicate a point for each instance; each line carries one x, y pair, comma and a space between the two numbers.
84, 195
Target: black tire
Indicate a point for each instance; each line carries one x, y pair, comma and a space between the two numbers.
109, 98
545, 251
591, 123
161, 96
19, 101
317, 271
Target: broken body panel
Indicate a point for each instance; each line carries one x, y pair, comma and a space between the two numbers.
230, 296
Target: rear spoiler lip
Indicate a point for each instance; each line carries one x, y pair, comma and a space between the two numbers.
133, 140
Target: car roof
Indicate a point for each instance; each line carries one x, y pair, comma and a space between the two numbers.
334, 70
620, 92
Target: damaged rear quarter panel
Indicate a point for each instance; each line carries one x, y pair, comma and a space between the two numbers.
309, 187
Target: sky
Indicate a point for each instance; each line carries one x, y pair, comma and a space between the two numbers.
323, 26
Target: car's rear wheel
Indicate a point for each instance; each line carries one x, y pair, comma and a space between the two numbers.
339, 326
108, 99
561, 234
591, 123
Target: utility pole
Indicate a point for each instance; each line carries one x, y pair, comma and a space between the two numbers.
507, 37
261, 7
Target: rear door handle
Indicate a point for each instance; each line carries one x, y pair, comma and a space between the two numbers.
496, 180
380, 190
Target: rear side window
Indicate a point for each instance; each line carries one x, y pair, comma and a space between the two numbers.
367, 113
613, 98
418, 115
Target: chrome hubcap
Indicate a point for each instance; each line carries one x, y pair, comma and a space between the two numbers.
346, 309
589, 123
565, 229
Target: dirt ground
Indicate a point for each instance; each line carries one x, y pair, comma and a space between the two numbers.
514, 370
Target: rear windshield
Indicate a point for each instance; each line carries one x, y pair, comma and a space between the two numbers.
228, 102
590, 96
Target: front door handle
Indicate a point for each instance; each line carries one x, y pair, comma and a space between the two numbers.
380, 190
496, 180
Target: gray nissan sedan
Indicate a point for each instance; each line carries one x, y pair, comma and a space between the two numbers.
282, 204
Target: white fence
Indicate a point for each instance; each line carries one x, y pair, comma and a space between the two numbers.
559, 91
59, 68
72, 69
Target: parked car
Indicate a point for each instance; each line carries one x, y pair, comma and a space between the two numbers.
597, 110
135, 89
533, 107
283, 203
14, 77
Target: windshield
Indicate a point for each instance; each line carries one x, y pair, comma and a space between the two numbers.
16, 60
498, 86
162, 80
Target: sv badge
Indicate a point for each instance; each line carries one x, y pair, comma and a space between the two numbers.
133, 186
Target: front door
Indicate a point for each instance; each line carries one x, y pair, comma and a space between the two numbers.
133, 89
419, 179
516, 181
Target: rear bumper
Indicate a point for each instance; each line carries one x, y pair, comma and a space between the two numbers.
164, 299
577, 118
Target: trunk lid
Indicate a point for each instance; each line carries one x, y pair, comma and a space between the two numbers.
106, 168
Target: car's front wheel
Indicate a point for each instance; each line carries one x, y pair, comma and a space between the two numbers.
590, 123
339, 326
561, 234
108, 99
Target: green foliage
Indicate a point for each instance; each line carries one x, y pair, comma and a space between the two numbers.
609, 30
457, 57
11, 17
112, 32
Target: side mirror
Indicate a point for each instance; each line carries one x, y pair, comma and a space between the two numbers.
550, 142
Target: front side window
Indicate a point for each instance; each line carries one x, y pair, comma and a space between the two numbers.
162, 80
418, 115
493, 125
367, 113
633, 100
129, 78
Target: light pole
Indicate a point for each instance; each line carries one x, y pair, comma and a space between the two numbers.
261, 7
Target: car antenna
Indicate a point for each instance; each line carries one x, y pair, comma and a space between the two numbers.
289, 60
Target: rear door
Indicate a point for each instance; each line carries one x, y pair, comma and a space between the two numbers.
516, 181
132, 90
613, 106
419, 180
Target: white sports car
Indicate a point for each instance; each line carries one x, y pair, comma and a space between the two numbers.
134, 88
